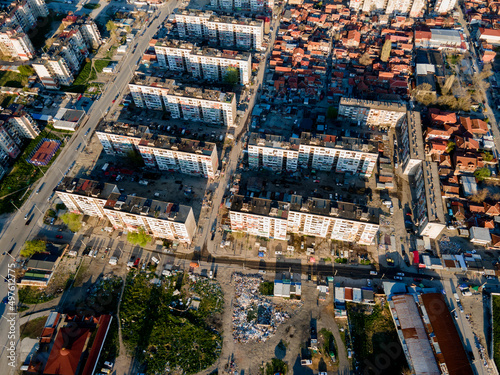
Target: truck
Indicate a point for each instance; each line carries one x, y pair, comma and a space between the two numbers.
113, 261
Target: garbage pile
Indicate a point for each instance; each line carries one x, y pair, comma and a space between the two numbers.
448, 246
254, 316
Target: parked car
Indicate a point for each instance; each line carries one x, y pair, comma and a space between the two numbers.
59, 236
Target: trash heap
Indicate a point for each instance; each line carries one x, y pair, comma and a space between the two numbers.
254, 316
446, 245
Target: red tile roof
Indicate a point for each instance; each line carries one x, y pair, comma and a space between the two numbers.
66, 351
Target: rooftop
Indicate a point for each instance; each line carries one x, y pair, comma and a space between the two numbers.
373, 104
87, 188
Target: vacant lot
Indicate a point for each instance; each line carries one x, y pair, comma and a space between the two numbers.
33, 328
372, 331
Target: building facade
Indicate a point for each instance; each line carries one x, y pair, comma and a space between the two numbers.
312, 217
321, 153
239, 5
207, 63
188, 103
159, 151
15, 43
444, 6
25, 125
243, 33
160, 219
372, 113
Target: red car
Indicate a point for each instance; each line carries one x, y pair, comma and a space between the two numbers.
417, 279
59, 236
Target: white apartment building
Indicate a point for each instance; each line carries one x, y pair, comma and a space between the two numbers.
372, 113
418, 8
91, 34
313, 217
53, 72
321, 153
8, 142
356, 5
188, 103
207, 63
25, 125
374, 5
444, 6
24, 14
158, 218
398, 6
225, 31
15, 43
159, 151
251, 5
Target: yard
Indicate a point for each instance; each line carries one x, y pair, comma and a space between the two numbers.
33, 328
372, 331
13, 79
22, 176
164, 334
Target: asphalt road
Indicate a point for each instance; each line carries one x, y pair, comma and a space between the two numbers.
15, 232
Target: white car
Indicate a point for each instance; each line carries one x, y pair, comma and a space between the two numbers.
398, 278
400, 274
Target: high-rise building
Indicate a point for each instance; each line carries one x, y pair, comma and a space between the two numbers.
23, 13
398, 6
24, 124
312, 217
87, 27
207, 63
414, 8
371, 112
188, 103
15, 43
9, 143
321, 153
243, 33
128, 212
374, 5
53, 71
160, 151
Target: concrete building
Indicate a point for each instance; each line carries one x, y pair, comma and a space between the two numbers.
23, 13
312, 217
243, 33
25, 125
444, 6
9, 142
207, 63
490, 36
188, 103
414, 8
53, 71
239, 5
372, 113
398, 6
160, 219
410, 139
16, 44
160, 151
374, 5
322, 152
91, 33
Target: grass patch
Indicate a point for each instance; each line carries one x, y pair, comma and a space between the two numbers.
13, 79
33, 328
495, 300
162, 333
30, 295
111, 52
22, 176
81, 82
372, 329
99, 65
92, 6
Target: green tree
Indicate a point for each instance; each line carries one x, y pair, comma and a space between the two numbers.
72, 220
140, 237
386, 51
331, 113
232, 76
266, 288
450, 147
134, 159
111, 27
25, 70
276, 366
482, 173
33, 247
487, 156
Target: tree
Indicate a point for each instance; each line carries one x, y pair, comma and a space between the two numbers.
487, 156
448, 84
424, 95
134, 159
386, 51
140, 237
331, 113
33, 247
450, 147
276, 366
25, 70
72, 220
232, 76
365, 59
482, 173
111, 27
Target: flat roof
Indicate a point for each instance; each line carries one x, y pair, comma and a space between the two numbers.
85, 187
373, 104
446, 334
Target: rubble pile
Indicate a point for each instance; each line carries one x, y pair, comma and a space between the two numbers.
254, 316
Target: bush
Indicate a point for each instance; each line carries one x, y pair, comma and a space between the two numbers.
92, 6
140, 237
266, 288
33, 247
73, 221
482, 173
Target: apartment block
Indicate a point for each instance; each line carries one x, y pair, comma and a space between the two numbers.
371, 112
160, 151
239, 5
24, 125
160, 219
9, 143
15, 43
322, 152
188, 103
243, 33
23, 13
444, 6
414, 8
53, 71
313, 217
374, 5
203, 62
398, 6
